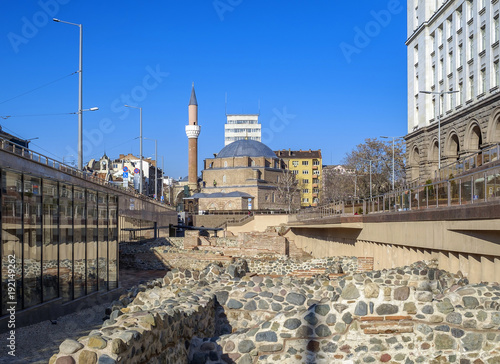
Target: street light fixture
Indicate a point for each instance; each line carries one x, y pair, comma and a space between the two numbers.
393, 175
140, 137
440, 93
156, 168
370, 160
80, 94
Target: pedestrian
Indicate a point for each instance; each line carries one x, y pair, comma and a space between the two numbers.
406, 201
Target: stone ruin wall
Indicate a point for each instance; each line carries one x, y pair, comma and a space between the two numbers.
413, 314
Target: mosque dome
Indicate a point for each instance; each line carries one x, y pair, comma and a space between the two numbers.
246, 148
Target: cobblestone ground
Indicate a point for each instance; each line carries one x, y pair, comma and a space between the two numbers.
37, 343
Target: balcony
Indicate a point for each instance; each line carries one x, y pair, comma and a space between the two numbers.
315, 185
315, 194
315, 167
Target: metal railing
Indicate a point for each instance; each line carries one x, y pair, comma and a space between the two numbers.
471, 188
26, 153
485, 156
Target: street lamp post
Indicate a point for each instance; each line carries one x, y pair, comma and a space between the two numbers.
440, 93
393, 174
140, 151
370, 160
156, 168
80, 95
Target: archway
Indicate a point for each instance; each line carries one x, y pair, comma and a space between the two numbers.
473, 138
452, 147
415, 163
433, 157
493, 132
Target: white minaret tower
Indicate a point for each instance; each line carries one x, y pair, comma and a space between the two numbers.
192, 132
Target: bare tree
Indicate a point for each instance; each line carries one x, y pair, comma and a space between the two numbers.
337, 185
289, 189
341, 186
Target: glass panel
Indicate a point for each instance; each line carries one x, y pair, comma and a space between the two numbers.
431, 196
79, 241
113, 242
478, 187
66, 242
11, 240
466, 190
102, 268
493, 185
50, 281
454, 192
91, 241
32, 259
443, 194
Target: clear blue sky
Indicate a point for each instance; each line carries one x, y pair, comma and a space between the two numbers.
321, 83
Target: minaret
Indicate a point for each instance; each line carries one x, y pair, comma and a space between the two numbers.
192, 132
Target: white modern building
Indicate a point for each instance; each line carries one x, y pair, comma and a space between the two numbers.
452, 45
242, 126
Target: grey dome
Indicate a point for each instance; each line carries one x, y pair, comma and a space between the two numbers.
246, 148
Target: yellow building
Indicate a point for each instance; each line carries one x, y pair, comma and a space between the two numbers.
307, 168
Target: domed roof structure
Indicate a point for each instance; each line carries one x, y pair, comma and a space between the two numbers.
246, 148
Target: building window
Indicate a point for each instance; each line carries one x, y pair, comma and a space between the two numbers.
451, 101
497, 74
225, 164
441, 104
460, 54
450, 62
441, 67
471, 87
460, 93
295, 172
433, 74
305, 190
459, 18
470, 9
305, 163
305, 181
315, 163
497, 29
483, 81
316, 172
471, 47
434, 108
295, 163
224, 179
305, 171
483, 39
305, 200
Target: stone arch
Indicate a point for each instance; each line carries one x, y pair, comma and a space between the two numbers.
493, 131
433, 155
452, 146
414, 163
473, 137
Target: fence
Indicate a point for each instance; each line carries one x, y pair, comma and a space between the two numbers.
471, 188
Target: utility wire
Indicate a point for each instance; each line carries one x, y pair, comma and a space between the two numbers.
22, 116
37, 88
19, 136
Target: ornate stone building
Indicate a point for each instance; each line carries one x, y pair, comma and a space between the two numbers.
453, 55
244, 175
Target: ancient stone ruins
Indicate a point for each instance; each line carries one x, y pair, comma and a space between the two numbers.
282, 306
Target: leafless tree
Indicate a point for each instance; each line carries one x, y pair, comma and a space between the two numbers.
338, 186
288, 189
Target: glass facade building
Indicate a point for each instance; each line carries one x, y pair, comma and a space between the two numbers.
58, 240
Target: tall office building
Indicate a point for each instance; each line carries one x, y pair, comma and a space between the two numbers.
452, 46
241, 127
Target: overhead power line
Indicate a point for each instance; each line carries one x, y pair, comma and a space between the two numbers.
37, 88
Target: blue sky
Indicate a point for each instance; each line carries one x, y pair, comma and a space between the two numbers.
328, 74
